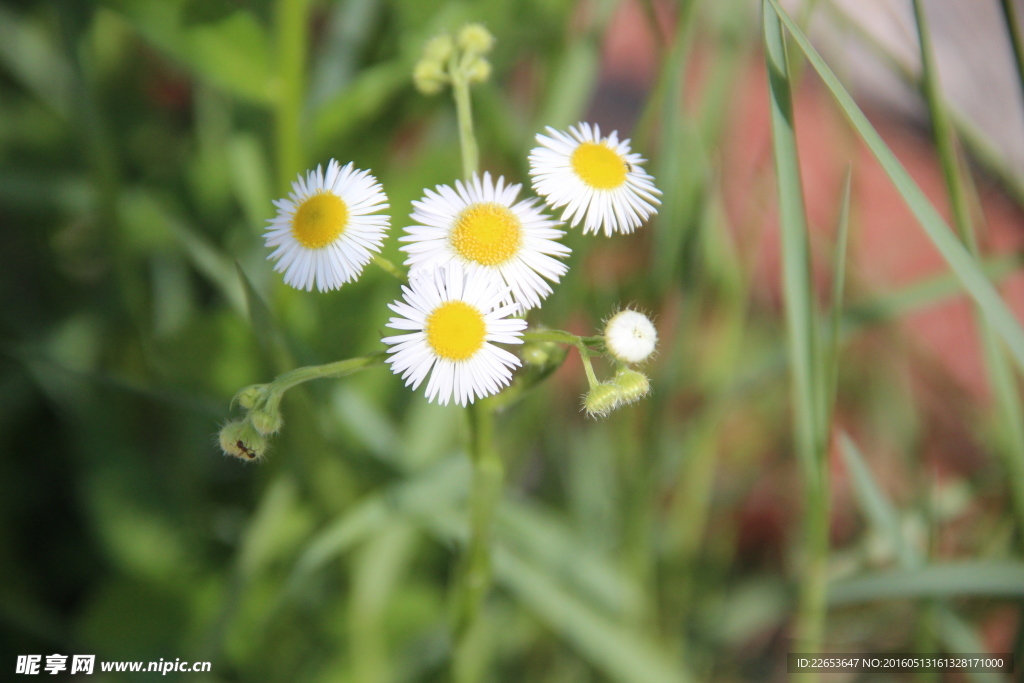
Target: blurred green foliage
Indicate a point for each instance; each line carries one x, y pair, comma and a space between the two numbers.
139, 154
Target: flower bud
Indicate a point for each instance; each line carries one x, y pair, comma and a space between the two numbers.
602, 399
249, 397
479, 70
630, 336
539, 353
632, 385
241, 440
475, 39
267, 421
439, 48
429, 77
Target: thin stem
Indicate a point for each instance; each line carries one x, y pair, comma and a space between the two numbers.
488, 479
1013, 27
290, 22
388, 266
488, 470
341, 368
464, 113
587, 366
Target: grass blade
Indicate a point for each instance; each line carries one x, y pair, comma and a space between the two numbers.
620, 653
806, 369
956, 255
965, 579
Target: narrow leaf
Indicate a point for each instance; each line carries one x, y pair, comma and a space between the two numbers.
960, 261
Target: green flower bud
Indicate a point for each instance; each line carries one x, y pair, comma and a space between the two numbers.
539, 353
601, 400
475, 39
632, 385
249, 397
241, 440
267, 422
439, 48
429, 77
479, 70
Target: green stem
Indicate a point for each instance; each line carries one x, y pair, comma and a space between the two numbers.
464, 113
290, 23
341, 368
588, 367
488, 470
388, 266
488, 478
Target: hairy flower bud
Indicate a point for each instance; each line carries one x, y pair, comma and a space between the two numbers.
601, 399
479, 70
475, 39
241, 440
540, 354
250, 396
632, 385
429, 77
439, 48
267, 421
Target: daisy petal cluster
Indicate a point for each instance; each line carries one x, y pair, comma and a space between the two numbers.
453, 318
481, 225
328, 228
597, 179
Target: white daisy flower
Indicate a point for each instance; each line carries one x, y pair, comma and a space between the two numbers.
328, 228
480, 225
598, 180
455, 317
630, 336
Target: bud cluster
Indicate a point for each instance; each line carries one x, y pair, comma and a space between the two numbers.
446, 59
629, 338
248, 438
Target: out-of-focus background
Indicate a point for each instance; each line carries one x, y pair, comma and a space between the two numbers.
139, 155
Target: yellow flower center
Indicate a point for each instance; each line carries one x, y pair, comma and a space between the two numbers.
319, 220
487, 233
455, 330
599, 166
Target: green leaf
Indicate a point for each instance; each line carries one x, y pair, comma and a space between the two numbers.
838, 285
442, 485
260, 318
572, 85
621, 654
801, 316
28, 53
978, 579
360, 102
959, 259
875, 505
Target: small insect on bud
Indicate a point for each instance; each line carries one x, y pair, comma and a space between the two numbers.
479, 70
241, 440
429, 76
475, 39
630, 336
439, 48
601, 399
632, 385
